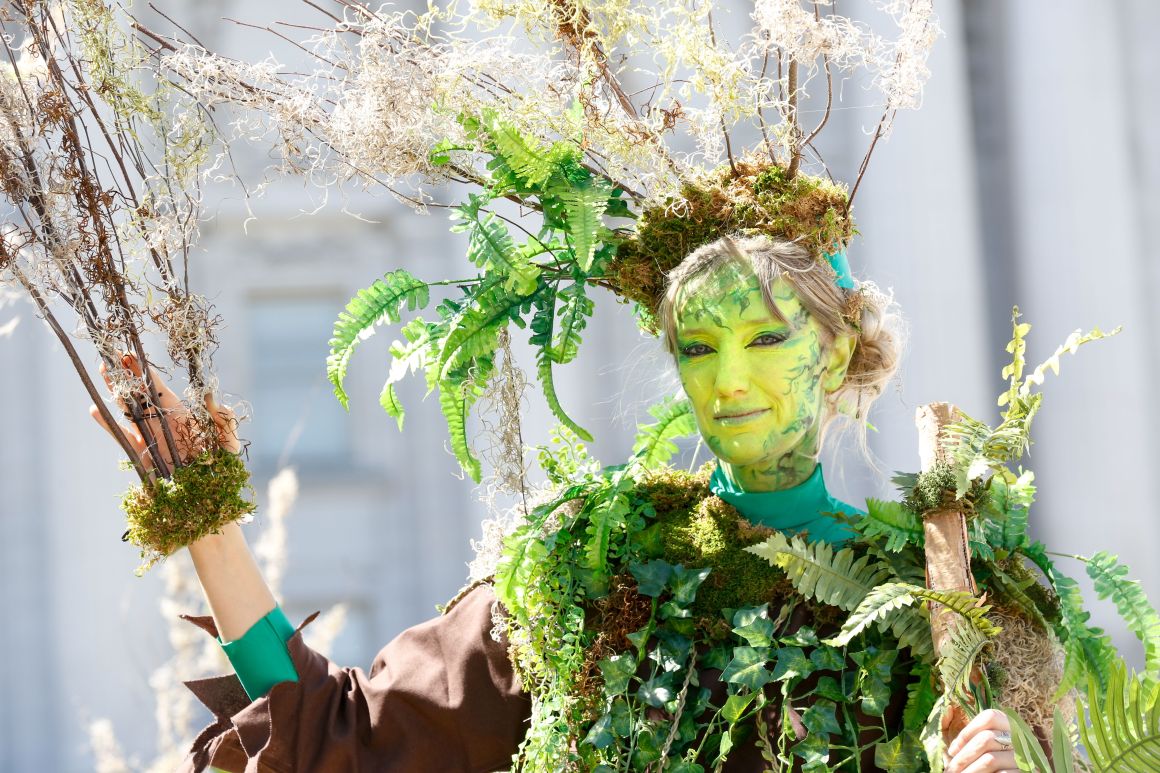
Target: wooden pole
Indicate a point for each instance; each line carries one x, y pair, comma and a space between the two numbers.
948, 554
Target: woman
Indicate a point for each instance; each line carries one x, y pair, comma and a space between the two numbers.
771, 345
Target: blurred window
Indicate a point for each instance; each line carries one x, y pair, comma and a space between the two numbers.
296, 418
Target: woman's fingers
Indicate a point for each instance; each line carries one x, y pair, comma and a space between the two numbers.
991, 719
980, 748
227, 424
131, 433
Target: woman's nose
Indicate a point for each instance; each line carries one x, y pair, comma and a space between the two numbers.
732, 375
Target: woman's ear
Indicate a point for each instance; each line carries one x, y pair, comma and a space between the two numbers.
838, 361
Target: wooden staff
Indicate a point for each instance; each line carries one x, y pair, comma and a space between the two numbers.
948, 554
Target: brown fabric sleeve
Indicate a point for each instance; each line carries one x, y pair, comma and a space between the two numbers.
440, 697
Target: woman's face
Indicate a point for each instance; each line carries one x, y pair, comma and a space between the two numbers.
757, 385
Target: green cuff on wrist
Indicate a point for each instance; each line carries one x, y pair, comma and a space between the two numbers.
260, 658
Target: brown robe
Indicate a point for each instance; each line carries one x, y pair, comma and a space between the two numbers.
442, 697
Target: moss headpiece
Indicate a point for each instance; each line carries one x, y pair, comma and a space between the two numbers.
752, 199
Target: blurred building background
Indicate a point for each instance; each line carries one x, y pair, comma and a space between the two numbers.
1027, 177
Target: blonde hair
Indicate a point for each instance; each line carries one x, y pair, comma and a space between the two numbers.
865, 312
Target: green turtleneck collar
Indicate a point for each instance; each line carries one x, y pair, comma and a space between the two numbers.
802, 508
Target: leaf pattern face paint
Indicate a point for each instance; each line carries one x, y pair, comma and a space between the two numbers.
755, 382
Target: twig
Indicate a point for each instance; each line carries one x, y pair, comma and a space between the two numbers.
886, 118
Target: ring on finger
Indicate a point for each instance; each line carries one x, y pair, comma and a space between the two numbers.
1004, 741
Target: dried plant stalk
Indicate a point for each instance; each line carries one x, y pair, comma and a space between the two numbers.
101, 165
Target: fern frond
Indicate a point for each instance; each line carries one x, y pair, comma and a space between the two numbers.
584, 206
527, 159
960, 651
654, 444
1088, 651
1028, 753
879, 603
840, 579
491, 247
1111, 581
970, 608
1122, 729
893, 521
542, 327
475, 332
457, 393
408, 358
378, 304
575, 309
1073, 342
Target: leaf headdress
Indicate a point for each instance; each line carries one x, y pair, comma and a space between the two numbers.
600, 142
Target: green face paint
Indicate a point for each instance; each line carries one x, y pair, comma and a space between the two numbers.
755, 382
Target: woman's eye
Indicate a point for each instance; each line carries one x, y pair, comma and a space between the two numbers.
695, 350
768, 339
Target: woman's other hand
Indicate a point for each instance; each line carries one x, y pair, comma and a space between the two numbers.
983, 746
180, 420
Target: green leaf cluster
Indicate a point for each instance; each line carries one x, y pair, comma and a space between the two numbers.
539, 283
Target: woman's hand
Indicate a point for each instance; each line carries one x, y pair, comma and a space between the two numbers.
983, 746
180, 420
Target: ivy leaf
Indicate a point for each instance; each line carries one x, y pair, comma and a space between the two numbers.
827, 658
736, 705
828, 688
381, 303
899, 755
754, 626
684, 583
747, 668
600, 736
821, 719
815, 753
651, 576
802, 637
617, 670
792, 663
658, 691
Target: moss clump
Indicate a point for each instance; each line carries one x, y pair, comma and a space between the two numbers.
758, 199
200, 498
696, 529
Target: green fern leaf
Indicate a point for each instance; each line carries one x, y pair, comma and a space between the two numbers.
606, 517
457, 393
575, 309
893, 521
528, 160
920, 699
879, 603
491, 247
654, 444
378, 304
962, 648
1111, 581
542, 326
408, 358
475, 332
1088, 651
840, 579
1122, 728
584, 206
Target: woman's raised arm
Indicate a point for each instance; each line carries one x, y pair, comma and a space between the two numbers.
237, 593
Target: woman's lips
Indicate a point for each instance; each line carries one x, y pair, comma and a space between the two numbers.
739, 418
